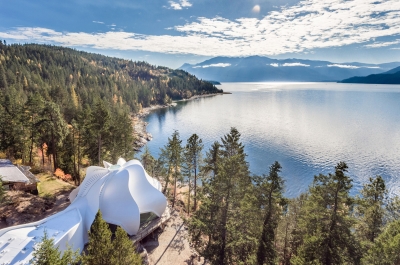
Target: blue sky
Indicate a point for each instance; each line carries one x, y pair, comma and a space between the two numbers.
171, 33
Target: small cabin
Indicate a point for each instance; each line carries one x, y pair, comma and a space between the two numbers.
16, 177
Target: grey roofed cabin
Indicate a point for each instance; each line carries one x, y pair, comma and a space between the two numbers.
16, 177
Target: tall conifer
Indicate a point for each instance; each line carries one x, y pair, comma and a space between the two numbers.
192, 157
123, 251
269, 190
326, 222
99, 250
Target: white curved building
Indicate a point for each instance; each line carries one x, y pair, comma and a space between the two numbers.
126, 195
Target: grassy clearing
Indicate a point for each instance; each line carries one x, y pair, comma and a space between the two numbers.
51, 186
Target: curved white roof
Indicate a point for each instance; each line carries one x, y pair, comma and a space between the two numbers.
122, 192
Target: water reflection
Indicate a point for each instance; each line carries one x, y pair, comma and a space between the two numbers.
307, 127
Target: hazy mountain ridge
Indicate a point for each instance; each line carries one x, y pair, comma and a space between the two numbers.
389, 77
258, 69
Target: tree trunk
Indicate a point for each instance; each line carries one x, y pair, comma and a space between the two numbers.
285, 258
167, 182
31, 148
42, 155
195, 188
54, 150
224, 222
173, 202
73, 148
261, 253
79, 159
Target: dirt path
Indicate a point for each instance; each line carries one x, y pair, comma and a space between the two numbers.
171, 246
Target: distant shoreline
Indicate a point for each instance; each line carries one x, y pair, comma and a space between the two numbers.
140, 126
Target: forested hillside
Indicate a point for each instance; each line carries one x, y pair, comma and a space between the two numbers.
390, 77
74, 105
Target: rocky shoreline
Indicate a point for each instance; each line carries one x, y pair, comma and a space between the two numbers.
142, 136
139, 125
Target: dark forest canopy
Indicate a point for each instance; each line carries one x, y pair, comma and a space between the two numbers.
74, 105
57, 73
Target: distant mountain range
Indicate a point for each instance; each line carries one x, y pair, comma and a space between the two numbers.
259, 69
389, 77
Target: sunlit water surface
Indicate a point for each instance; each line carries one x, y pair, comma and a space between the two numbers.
307, 127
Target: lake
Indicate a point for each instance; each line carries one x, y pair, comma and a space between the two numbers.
307, 127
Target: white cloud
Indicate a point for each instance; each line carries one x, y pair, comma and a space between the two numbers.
382, 44
175, 5
295, 64
98, 22
343, 66
185, 3
213, 65
274, 64
180, 5
306, 26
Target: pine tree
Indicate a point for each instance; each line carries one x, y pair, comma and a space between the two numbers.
371, 209
123, 251
99, 250
192, 157
165, 165
48, 254
174, 150
56, 129
212, 160
326, 222
99, 129
270, 197
288, 235
3, 79
148, 161
33, 111
221, 228
386, 247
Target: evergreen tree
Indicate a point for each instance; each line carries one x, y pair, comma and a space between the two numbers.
123, 251
148, 161
288, 234
98, 130
192, 158
48, 254
33, 118
220, 229
326, 222
119, 136
56, 128
386, 247
270, 196
392, 210
166, 165
371, 209
212, 160
3, 79
174, 150
99, 250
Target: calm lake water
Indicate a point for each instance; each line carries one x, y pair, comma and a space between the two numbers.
307, 127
